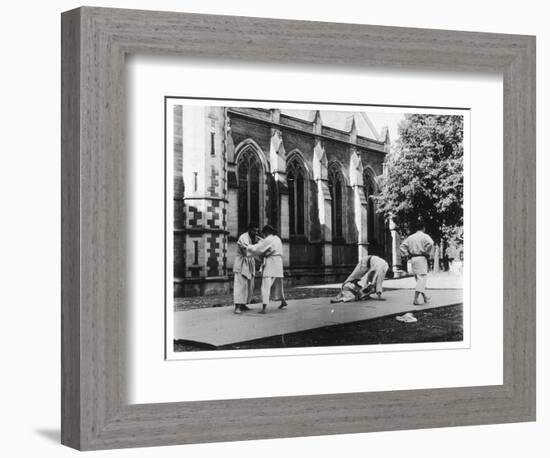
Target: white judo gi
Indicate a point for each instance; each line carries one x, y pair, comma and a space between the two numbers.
244, 270
418, 247
270, 250
371, 270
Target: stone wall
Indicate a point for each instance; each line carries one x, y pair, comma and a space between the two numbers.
207, 144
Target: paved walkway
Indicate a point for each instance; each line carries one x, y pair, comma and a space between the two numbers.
220, 326
440, 280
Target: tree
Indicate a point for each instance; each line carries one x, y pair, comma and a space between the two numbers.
424, 176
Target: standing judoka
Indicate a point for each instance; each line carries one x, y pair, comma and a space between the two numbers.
244, 269
417, 248
270, 250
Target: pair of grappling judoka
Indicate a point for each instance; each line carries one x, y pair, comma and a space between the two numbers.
366, 278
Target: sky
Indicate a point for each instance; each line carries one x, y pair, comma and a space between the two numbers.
381, 119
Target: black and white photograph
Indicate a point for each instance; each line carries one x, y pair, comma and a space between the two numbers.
275, 229
311, 225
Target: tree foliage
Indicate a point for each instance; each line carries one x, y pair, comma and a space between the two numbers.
424, 176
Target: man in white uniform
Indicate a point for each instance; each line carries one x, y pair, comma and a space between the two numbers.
270, 250
417, 248
367, 277
244, 269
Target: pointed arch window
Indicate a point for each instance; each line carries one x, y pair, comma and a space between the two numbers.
370, 191
250, 171
336, 188
296, 176
273, 202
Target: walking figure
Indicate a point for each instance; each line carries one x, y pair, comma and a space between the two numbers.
417, 247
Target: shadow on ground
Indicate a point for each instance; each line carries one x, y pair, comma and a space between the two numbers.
443, 324
53, 435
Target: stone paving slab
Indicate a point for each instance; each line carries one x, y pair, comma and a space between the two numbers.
220, 326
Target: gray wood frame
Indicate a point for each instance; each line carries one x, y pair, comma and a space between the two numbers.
95, 414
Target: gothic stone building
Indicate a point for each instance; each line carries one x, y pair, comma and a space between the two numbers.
310, 174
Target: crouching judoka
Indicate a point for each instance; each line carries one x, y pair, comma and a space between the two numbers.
366, 279
270, 251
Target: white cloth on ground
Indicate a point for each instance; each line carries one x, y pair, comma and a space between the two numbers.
407, 318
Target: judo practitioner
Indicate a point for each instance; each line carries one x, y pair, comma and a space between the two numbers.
367, 278
270, 251
417, 248
244, 269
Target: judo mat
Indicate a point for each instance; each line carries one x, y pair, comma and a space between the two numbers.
218, 326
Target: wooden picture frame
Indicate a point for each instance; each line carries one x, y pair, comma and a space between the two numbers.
95, 414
